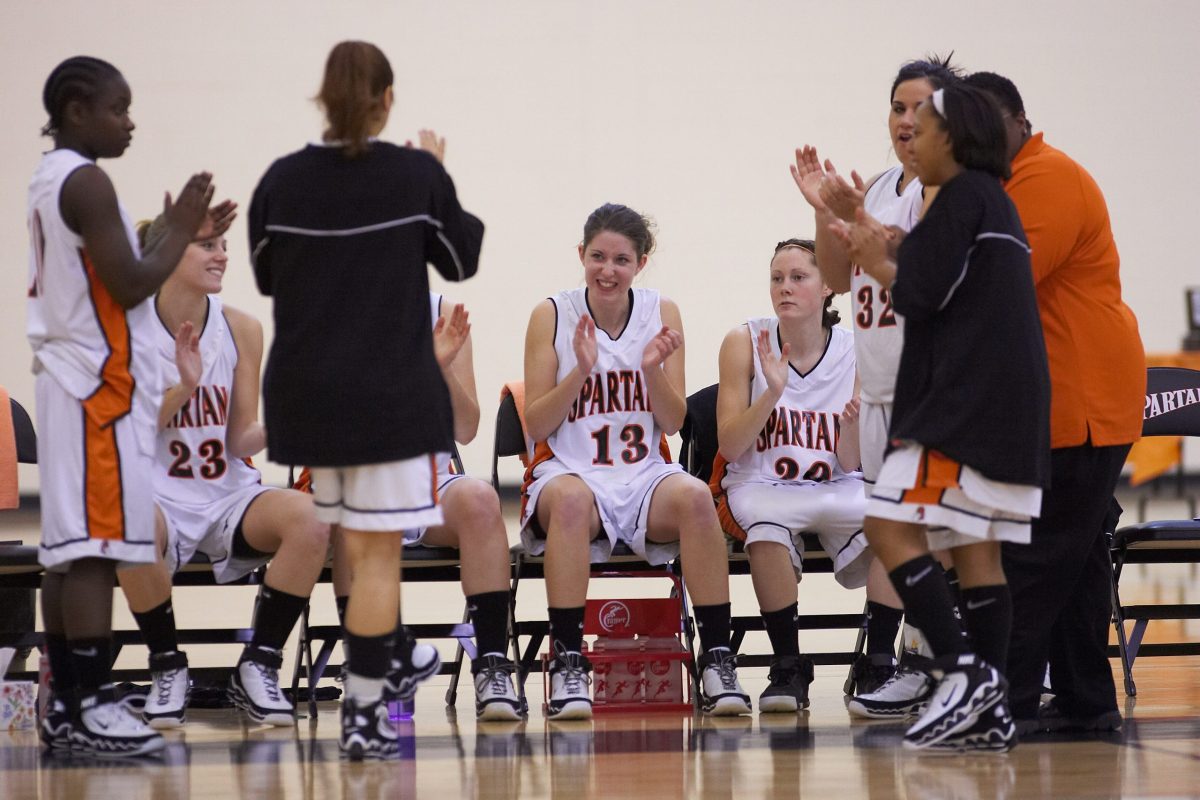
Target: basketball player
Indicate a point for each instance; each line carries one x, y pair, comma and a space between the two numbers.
603, 384
209, 498
895, 197
87, 319
475, 527
341, 233
970, 433
788, 435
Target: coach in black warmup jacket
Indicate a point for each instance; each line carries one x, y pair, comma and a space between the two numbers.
340, 234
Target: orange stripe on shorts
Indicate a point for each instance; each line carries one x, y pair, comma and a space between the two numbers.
103, 495
936, 474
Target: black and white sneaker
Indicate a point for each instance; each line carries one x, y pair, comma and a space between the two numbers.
55, 730
254, 687
871, 671
721, 695
967, 688
403, 679
367, 731
787, 690
901, 695
166, 704
570, 686
993, 732
105, 728
495, 697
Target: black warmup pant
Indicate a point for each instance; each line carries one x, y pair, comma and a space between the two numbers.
1060, 588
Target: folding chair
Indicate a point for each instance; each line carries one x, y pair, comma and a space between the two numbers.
699, 448
17, 603
510, 441
1172, 409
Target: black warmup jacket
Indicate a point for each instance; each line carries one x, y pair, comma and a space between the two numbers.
342, 245
973, 381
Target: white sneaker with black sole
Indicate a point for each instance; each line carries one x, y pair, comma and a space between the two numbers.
106, 729
170, 688
968, 687
254, 687
367, 731
570, 687
403, 679
993, 732
721, 695
495, 697
901, 695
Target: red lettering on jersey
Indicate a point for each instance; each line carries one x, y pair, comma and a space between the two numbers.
809, 417
639, 394
781, 429
208, 414
794, 418
627, 386
596, 405
222, 393
823, 441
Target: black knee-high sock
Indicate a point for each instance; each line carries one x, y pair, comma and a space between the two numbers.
489, 615
91, 660
62, 669
566, 628
883, 623
713, 624
929, 604
158, 628
988, 614
276, 616
781, 630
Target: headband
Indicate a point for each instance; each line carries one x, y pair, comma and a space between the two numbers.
939, 102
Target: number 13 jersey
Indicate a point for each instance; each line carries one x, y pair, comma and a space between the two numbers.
609, 433
192, 467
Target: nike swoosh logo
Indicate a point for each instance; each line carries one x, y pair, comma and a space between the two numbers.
973, 606
949, 701
912, 580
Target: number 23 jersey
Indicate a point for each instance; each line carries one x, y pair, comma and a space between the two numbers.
798, 442
192, 467
609, 433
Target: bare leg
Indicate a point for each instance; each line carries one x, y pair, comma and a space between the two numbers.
772, 574
474, 524
283, 522
682, 510
566, 511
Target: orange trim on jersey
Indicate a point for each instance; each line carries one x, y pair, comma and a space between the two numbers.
433, 476
541, 454
113, 400
936, 474
724, 512
663, 448
304, 482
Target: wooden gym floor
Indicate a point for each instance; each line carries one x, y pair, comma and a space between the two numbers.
820, 753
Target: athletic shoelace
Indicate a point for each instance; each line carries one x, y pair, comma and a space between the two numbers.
270, 679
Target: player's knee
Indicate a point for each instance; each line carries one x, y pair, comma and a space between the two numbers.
694, 503
570, 502
476, 505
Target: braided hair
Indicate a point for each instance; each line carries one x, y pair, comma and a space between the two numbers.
77, 78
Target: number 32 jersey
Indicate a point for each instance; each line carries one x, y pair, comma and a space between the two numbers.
192, 467
609, 433
799, 439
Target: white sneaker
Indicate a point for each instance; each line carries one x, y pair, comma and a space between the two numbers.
105, 728
902, 695
367, 731
570, 687
254, 687
166, 705
403, 679
720, 692
495, 697
967, 688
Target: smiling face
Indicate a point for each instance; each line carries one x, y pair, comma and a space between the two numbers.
202, 267
797, 291
103, 124
902, 118
932, 152
610, 263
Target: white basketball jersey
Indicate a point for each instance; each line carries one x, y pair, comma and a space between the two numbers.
192, 465
799, 440
79, 333
443, 459
878, 329
609, 433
